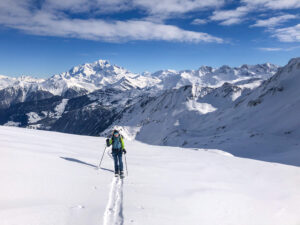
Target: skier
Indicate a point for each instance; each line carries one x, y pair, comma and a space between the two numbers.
117, 150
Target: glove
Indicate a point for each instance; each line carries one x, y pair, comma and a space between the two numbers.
124, 151
107, 142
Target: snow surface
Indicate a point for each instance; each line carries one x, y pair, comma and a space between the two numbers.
50, 178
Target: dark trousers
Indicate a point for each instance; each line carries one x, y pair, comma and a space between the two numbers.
118, 162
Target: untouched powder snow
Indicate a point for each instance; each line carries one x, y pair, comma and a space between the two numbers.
50, 178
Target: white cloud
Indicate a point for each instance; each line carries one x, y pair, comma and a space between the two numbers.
271, 49
231, 21
14, 8
288, 34
47, 22
199, 21
238, 15
176, 6
230, 17
279, 49
56, 18
274, 21
69, 5
273, 4
160, 8
86, 6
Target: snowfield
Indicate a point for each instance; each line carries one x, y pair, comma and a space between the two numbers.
50, 178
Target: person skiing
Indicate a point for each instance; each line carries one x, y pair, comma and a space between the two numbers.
118, 149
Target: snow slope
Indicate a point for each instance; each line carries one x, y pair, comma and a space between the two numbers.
50, 178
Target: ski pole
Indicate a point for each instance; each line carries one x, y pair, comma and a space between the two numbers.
126, 164
102, 157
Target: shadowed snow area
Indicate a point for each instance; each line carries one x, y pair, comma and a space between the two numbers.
50, 178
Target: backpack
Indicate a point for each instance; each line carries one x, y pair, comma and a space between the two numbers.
116, 142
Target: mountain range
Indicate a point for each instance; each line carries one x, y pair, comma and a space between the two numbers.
249, 111
101, 75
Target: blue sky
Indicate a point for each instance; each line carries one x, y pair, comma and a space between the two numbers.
44, 37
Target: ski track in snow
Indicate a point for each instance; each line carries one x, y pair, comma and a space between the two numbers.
113, 214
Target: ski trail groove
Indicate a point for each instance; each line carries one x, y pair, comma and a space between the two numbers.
113, 214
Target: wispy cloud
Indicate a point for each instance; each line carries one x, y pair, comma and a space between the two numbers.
51, 20
274, 21
248, 8
161, 8
270, 49
199, 21
169, 7
230, 17
288, 34
279, 49
88, 6
85, 18
273, 4
239, 14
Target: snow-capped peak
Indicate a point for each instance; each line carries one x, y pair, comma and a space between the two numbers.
102, 62
294, 61
87, 69
287, 75
206, 69
102, 74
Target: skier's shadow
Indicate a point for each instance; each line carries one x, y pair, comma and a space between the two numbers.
84, 163
106, 169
